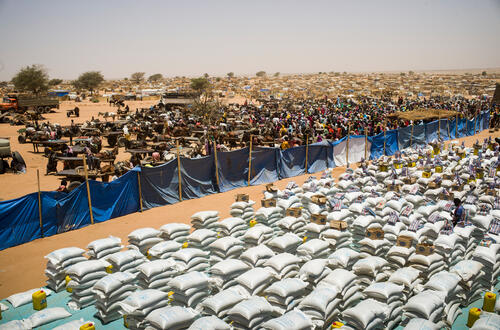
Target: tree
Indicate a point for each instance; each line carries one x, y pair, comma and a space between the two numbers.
411, 73
200, 85
277, 74
89, 80
155, 77
206, 75
137, 77
55, 81
261, 74
205, 106
230, 74
484, 73
3, 84
31, 79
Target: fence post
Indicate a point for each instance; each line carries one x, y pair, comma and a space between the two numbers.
347, 147
456, 127
411, 135
385, 130
366, 144
448, 127
250, 160
216, 165
307, 150
439, 125
179, 170
140, 190
88, 189
475, 123
39, 201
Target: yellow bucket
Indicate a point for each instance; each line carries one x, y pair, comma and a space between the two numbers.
88, 326
185, 245
109, 269
426, 175
67, 279
383, 168
252, 223
476, 151
474, 314
337, 325
489, 302
439, 169
436, 150
471, 180
398, 165
39, 300
412, 164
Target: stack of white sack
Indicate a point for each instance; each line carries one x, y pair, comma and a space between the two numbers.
287, 203
139, 304
38, 319
374, 247
288, 243
487, 321
251, 313
225, 248
421, 324
23, 298
409, 278
255, 280
83, 276
360, 225
471, 279
224, 273
342, 215
243, 210
209, 323
205, 220
163, 250
398, 256
57, 263
294, 319
126, 261
314, 230
427, 265
144, 238
451, 247
268, 216
345, 283
294, 225
156, 274
234, 227
109, 291
321, 306
191, 259
283, 265
103, 247
368, 314
392, 296
177, 232
392, 231
286, 294
189, 289
258, 234
313, 249
337, 239
202, 238
343, 258
256, 256
220, 303
447, 283
371, 269
472, 235
428, 304
489, 257
171, 318
314, 271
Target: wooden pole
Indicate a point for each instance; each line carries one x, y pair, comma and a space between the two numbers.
384, 138
439, 125
140, 189
456, 127
216, 165
366, 144
179, 170
39, 201
250, 160
347, 147
448, 128
411, 135
88, 189
475, 122
307, 151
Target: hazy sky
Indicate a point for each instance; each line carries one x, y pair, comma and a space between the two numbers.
187, 37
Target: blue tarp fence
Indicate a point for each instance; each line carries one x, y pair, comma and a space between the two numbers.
158, 186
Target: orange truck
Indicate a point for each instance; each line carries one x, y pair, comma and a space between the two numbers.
20, 104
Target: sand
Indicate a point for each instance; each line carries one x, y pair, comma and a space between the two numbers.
22, 267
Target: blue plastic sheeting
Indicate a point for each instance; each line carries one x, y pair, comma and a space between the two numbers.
391, 144
264, 165
73, 210
470, 127
406, 137
233, 169
453, 131
444, 129
292, 162
160, 185
198, 177
462, 128
317, 158
431, 130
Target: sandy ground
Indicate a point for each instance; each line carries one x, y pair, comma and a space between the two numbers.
22, 267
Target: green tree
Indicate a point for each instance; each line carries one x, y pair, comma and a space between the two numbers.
32, 78
89, 80
484, 73
230, 74
200, 85
206, 75
205, 105
155, 77
137, 77
411, 73
261, 74
55, 81
277, 74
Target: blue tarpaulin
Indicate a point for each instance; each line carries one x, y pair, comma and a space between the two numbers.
264, 165
431, 131
406, 137
160, 185
391, 144
233, 169
198, 177
292, 162
73, 210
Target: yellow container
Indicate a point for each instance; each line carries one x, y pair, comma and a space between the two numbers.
489, 302
471, 180
125, 323
474, 314
398, 165
88, 326
252, 223
304, 239
185, 245
109, 269
436, 150
439, 169
383, 168
426, 175
412, 164
337, 325
39, 300
476, 151
479, 175
67, 279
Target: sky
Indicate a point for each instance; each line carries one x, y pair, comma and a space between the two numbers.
190, 38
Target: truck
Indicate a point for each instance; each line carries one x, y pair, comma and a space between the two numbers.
21, 103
